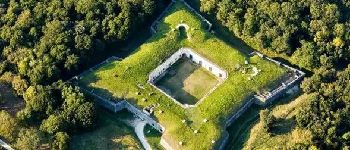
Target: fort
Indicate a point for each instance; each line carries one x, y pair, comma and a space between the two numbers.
243, 80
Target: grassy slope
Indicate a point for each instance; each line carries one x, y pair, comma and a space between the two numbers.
216, 108
110, 133
284, 131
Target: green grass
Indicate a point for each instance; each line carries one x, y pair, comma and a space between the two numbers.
110, 133
119, 79
189, 83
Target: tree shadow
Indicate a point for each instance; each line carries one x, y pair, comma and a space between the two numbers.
282, 126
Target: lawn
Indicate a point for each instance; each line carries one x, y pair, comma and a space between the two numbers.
121, 80
187, 82
110, 133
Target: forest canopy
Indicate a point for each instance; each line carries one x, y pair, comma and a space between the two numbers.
43, 40
313, 33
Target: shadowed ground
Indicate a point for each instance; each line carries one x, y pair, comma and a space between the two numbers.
187, 82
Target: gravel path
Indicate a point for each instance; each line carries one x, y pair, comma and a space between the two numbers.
140, 134
139, 126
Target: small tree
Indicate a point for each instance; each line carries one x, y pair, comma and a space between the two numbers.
8, 126
28, 139
60, 142
52, 124
19, 85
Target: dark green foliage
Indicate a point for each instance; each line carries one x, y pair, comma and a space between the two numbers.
327, 115
29, 139
314, 33
45, 40
59, 107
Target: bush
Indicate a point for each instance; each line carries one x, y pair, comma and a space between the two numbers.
8, 126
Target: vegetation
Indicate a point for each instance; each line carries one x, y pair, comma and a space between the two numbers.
8, 126
110, 133
327, 113
133, 71
312, 33
189, 83
44, 42
282, 130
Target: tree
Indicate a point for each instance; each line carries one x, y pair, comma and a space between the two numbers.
61, 141
327, 113
28, 139
19, 85
53, 124
312, 32
8, 126
39, 101
76, 111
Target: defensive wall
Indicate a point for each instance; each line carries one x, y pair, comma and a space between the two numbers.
163, 68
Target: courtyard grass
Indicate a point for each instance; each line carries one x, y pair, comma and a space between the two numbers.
120, 80
110, 133
187, 82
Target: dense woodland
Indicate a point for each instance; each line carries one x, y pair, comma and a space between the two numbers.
44, 41
312, 34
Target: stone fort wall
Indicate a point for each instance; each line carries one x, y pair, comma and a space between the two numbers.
160, 71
